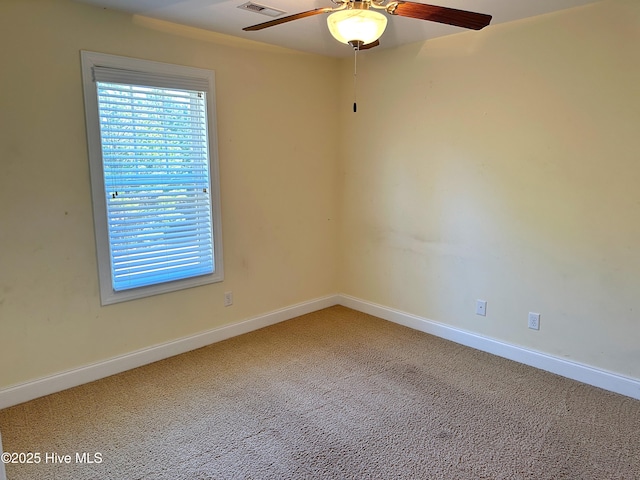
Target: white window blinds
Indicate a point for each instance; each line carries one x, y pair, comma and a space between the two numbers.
155, 157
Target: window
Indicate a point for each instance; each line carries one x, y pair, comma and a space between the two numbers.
154, 175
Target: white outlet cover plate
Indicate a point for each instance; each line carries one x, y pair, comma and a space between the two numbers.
534, 321
481, 307
228, 299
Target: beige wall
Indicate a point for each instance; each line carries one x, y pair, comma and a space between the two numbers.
504, 165
500, 164
277, 180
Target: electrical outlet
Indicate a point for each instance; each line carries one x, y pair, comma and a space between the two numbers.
534, 321
228, 299
481, 307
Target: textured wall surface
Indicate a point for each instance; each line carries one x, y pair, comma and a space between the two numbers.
500, 164
503, 165
277, 182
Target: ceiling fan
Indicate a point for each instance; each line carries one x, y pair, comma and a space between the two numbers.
360, 24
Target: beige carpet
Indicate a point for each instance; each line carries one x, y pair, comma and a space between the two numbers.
334, 394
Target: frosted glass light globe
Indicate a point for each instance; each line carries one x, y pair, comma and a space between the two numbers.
365, 26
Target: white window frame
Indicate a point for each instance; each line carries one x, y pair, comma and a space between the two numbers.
89, 60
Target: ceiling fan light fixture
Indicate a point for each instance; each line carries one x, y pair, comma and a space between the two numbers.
356, 25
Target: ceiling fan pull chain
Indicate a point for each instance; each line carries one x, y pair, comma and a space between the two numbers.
355, 77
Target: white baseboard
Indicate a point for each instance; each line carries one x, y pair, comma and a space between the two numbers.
61, 381
574, 370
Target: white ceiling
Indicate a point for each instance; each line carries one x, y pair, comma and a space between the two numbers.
311, 34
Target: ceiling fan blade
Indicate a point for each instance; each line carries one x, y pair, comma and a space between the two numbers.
290, 18
450, 16
370, 45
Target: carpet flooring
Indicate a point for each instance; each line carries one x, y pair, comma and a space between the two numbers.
335, 394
